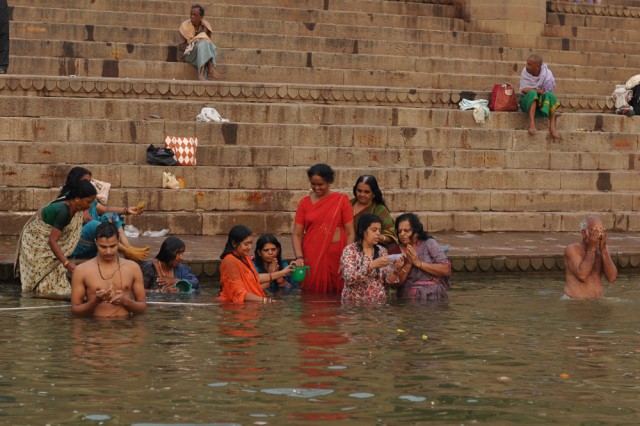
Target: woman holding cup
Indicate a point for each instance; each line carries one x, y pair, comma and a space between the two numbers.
366, 267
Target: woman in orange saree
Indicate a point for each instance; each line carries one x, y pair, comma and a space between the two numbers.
323, 227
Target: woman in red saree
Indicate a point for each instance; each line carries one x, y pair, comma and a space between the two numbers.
323, 227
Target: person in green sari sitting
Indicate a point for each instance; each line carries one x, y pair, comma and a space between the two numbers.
368, 199
536, 87
197, 47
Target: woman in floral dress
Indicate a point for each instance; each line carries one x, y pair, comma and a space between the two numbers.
365, 266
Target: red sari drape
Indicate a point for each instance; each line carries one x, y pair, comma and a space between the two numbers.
320, 221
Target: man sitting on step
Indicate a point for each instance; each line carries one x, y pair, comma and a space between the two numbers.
536, 87
197, 48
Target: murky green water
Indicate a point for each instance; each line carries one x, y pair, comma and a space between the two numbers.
504, 350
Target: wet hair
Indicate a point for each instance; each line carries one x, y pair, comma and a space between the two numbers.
584, 225
365, 221
197, 6
170, 249
82, 189
375, 189
263, 240
73, 177
237, 234
323, 170
414, 223
106, 230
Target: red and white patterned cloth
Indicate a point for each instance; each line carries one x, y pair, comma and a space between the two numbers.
184, 148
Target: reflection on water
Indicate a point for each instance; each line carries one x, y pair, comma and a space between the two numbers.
502, 350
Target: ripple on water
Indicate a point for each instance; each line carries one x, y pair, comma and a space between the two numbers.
361, 395
412, 398
299, 392
97, 417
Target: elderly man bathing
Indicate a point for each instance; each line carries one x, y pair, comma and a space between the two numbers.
587, 260
536, 87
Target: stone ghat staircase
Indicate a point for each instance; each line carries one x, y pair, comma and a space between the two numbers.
368, 86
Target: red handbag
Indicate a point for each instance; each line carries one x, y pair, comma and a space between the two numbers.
503, 98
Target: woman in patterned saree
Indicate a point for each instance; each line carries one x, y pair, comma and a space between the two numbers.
366, 268
49, 237
323, 227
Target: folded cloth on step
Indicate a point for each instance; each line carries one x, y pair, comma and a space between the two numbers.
480, 108
210, 115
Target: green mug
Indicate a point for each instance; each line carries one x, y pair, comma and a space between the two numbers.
299, 273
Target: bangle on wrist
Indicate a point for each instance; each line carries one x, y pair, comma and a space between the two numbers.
66, 262
270, 277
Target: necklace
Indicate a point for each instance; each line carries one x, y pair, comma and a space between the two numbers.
164, 274
114, 272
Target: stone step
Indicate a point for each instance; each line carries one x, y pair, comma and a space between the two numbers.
140, 110
115, 34
92, 87
247, 201
275, 20
276, 156
219, 223
600, 22
183, 7
277, 74
592, 33
559, 61
69, 58
29, 139
294, 177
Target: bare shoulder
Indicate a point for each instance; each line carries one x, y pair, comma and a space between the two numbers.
84, 267
129, 265
572, 248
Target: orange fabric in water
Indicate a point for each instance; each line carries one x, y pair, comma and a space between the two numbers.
238, 278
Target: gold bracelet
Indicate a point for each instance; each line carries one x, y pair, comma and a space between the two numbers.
66, 262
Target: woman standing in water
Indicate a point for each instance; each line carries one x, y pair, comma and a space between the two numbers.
268, 259
368, 200
162, 273
365, 265
323, 227
426, 270
238, 277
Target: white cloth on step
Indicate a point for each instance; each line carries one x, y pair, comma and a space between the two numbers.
480, 109
210, 115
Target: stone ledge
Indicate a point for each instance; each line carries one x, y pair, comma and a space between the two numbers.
593, 9
260, 92
531, 252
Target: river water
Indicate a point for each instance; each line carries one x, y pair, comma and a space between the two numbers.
502, 350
